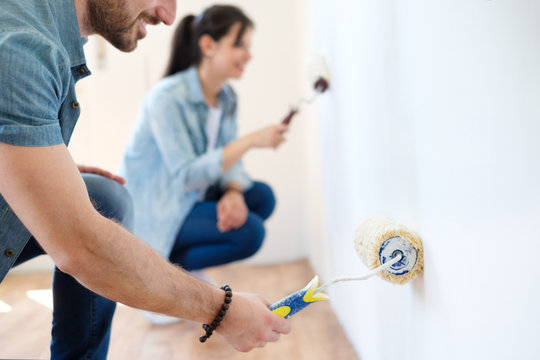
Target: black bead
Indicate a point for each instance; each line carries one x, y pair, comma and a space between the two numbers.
219, 317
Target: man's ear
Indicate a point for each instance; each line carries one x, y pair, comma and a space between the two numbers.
207, 45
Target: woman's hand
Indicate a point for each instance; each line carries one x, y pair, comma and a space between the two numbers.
232, 211
270, 136
94, 170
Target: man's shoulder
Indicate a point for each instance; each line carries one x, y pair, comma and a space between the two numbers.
28, 27
29, 49
29, 14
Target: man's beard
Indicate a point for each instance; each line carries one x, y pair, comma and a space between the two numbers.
109, 19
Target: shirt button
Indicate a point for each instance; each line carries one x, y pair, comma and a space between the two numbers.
9, 253
75, 105
81, 71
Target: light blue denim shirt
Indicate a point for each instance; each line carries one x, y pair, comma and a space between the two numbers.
41, 59
166, 164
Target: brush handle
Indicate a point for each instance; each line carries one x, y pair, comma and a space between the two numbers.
289, 305
289, 116
296, 301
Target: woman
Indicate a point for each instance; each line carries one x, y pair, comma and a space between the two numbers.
194, 203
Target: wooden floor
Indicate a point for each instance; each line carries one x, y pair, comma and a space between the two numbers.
316, 333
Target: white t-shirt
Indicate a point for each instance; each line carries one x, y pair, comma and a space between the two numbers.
212, 129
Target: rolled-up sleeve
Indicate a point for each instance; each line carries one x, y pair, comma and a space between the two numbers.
29, 113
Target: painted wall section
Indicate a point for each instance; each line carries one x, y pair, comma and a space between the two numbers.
434, 120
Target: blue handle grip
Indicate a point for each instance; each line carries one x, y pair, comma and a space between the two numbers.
295, 302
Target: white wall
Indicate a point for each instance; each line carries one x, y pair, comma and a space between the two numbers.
434, 121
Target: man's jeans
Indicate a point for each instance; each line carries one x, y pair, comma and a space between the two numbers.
82, 319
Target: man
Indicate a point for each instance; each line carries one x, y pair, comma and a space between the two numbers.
47, 206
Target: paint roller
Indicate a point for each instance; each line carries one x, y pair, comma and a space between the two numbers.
386, 247
320, 77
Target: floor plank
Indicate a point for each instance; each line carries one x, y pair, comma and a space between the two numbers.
316, 334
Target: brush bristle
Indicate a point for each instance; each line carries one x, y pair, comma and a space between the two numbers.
371, 235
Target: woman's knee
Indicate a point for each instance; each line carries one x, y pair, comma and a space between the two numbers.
110, 198
253, 233
261, 198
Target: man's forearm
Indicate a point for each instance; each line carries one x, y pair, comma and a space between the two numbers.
122, 268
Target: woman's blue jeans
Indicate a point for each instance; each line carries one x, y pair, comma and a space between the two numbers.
200, 244
82, 319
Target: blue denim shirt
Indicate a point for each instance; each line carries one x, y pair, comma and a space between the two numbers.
41, 59
166, 163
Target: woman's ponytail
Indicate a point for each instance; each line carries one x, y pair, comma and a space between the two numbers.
184, 48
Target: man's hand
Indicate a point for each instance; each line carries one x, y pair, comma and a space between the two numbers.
94, 170
249, 323
232, 211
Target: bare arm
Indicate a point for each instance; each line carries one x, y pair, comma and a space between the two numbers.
271, 136
44, 188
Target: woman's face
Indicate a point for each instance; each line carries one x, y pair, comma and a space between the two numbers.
230, 57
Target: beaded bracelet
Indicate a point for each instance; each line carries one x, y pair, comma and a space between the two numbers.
219, 317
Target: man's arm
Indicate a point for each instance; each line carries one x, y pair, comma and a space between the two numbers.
45, 189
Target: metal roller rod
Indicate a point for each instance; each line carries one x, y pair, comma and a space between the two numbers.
375, 271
